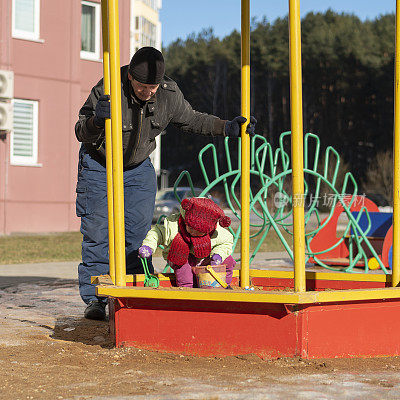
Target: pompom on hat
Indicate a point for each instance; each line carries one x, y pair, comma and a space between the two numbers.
203, 214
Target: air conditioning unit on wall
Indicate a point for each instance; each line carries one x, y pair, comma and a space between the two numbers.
6, 84
6, 116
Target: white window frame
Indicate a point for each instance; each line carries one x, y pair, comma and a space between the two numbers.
88, 55
27, 35
27, 160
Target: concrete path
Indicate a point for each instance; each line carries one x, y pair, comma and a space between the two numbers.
69, 269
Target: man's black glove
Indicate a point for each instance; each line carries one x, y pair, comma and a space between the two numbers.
102, 110
232, 128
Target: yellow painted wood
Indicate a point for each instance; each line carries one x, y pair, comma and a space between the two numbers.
396, 157
106, 279
142, 277
296, 110
245, 147
102, 280
279, 297
116, 127
110, 195
197, 294
328, 276
349, 295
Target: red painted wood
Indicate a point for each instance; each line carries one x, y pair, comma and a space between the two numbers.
387, 244
361, 329
206, 328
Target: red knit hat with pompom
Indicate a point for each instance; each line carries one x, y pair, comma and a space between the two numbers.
203, 214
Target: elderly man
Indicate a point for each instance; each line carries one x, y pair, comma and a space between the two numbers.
150, 101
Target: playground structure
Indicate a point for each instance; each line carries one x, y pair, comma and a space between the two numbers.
371, 236
367, 235
292, 313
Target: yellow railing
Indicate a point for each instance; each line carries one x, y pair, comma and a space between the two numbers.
116, 128
296, 110
110, 187
245, 149
396, 158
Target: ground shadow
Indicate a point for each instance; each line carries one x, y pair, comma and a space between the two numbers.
82, 330
9, 281
41, 299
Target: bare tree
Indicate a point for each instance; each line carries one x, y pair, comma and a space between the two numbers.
379, 176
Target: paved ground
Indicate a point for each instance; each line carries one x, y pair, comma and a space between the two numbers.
68, 269
48, 351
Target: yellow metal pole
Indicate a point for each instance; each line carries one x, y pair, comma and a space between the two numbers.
396, 158
110, 196
116, 127
296, 110
245, 150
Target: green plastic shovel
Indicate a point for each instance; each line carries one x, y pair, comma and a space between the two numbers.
149, 280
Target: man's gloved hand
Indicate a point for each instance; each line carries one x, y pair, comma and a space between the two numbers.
145, 251
216, 259
232, 128
102, 111
251, 127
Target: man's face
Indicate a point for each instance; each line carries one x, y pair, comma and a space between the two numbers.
143, 91
194, 232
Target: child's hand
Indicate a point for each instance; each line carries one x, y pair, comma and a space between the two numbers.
145, 251
216, 259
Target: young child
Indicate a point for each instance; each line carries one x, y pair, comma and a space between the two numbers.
197, 236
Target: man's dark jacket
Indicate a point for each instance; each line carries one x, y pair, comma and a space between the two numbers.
141, 123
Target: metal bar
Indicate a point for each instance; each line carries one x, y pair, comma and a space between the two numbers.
110, 195
245, 145
116, 126
297, 145
396, 158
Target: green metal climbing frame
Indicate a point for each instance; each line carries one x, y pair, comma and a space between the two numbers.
270, 195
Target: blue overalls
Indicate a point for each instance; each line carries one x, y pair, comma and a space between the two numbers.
140, 186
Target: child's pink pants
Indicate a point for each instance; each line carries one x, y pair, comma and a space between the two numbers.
185, 276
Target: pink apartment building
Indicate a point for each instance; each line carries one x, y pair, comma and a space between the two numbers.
53, 49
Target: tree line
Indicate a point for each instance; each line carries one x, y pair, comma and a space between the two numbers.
348, 77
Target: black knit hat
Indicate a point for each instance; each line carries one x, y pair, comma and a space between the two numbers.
147, 66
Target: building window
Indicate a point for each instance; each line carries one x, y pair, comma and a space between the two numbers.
148, 33
26, 19
90, 31
154, 4
24, 137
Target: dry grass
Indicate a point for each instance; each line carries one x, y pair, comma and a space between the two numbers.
32, 248
17, 249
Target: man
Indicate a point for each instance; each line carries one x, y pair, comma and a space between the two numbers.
149, 102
